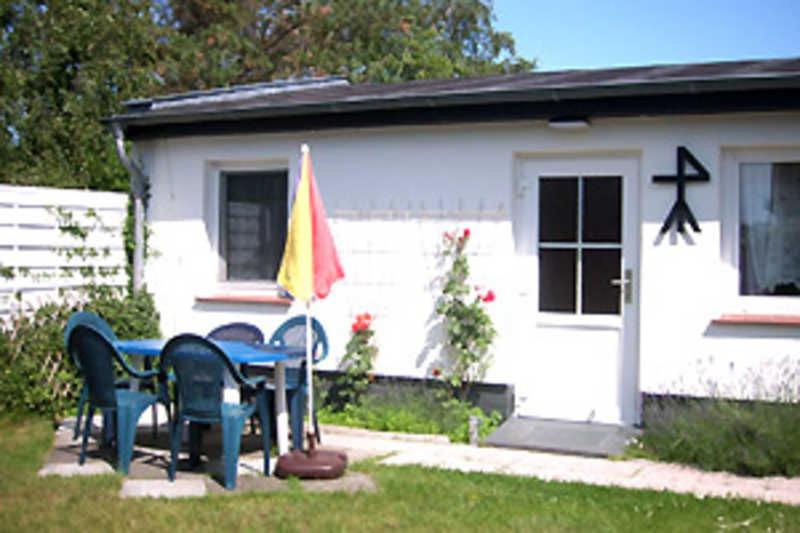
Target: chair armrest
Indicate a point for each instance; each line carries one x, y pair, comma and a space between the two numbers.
255, 382
142, 374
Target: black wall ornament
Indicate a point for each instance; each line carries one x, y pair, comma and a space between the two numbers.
680, 213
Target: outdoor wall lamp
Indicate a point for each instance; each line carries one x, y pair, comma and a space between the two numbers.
569, 123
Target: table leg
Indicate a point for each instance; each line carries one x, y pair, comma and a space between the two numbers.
281, 416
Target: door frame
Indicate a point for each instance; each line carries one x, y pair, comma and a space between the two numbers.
625, 163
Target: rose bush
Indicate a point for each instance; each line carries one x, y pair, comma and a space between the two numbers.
469, 331
357, 362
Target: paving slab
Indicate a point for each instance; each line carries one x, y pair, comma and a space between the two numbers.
162, 488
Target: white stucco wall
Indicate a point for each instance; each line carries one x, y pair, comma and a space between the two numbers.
391, 192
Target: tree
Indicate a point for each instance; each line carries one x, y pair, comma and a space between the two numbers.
66, 64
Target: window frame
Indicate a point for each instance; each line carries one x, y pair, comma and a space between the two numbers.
732, 159
215, 172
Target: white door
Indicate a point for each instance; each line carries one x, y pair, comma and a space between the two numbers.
576, 220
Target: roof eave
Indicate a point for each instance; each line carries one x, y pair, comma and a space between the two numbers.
487, 97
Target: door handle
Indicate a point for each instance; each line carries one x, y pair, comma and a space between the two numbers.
625, 284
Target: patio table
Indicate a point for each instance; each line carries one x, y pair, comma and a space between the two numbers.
240, 353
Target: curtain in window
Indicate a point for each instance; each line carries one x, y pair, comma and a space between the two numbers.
769, 231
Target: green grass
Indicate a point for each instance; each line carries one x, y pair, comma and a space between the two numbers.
408, 498
747, 438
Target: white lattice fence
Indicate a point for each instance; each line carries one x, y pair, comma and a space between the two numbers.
53, 240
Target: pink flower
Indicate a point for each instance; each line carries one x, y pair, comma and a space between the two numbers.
488, 297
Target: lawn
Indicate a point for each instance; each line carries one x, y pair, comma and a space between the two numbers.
408, 498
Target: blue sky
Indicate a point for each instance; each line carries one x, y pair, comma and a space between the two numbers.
564, 34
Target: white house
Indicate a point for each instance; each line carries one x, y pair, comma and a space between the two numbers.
565, 180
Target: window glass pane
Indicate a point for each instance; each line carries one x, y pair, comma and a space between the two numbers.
599, 296
769, 229
254, 224
602, 221
558, 209
557, 280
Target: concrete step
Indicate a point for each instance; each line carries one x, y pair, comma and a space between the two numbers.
582, 438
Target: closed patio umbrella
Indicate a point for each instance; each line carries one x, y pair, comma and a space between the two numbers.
309, 268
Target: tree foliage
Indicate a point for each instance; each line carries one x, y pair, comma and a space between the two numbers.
66, 64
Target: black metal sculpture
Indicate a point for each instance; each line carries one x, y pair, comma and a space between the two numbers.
680, 213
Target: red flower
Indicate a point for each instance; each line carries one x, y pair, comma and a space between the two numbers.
436, 372
362, 322
466, 233
488, 297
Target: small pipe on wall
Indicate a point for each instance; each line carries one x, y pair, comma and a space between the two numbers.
138, 182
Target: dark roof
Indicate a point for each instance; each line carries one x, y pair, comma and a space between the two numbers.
755, 85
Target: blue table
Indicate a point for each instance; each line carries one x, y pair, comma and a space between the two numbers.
240, 353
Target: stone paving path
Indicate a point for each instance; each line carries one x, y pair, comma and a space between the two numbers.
633, 474
148, 471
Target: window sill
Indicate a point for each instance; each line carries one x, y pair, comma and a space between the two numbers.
758, 320
244, 299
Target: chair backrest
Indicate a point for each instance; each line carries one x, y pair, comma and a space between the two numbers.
87, 318
95, 355
293, 333
237, 331
199, 366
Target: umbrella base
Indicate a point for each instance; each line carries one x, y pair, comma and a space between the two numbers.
312, 464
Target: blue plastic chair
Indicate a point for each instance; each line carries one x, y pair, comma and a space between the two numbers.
85, 318
96, 356
199, 366
293, 333
237, 331
244, 332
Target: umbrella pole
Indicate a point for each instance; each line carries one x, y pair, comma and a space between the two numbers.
312, 438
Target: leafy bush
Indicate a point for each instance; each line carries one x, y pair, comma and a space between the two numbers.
413, 410
36, 374
357, 363
750, 438
468, 326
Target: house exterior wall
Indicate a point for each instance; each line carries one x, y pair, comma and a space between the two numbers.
390, 194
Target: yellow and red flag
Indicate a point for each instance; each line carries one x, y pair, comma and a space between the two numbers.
310, 264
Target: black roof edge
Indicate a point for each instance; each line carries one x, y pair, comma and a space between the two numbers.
609, 107
527, 95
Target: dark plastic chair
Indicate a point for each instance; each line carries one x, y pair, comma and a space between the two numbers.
96, 356
244, 332
293, 333
199, 366
237, 331
85, 318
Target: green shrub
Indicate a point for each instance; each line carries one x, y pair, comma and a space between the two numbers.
749, 438
405, 409
357, 363
35, 373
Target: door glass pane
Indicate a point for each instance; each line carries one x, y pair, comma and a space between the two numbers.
557, 280
558, 209
599, 267
602, 199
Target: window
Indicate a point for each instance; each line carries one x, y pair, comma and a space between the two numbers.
253, 212
580, 244
769, 229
